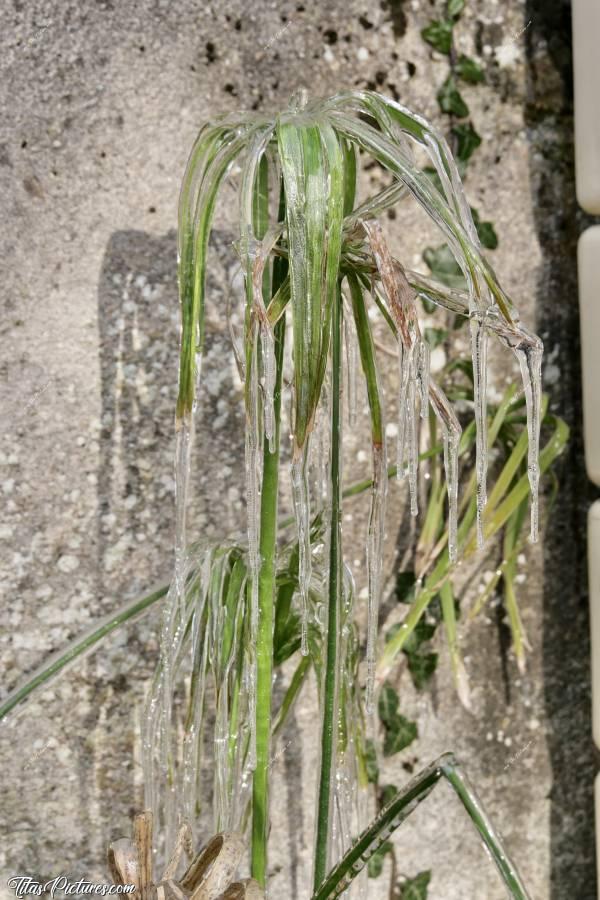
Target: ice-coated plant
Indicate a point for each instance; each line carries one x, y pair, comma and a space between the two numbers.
316, 271
314, 258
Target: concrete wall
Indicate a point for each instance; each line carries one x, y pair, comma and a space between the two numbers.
101, 102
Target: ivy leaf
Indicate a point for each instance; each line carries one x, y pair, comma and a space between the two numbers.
387, 794
435, 337
439, 35
421, 667
405, 587
400, 733
371, 762
423, 632
455, 7
416, 888
375, 864
450, 99
388, 704
485, 231
467, 69
444, 267
468, 140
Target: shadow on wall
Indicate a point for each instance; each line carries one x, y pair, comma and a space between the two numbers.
549, 119
138, 320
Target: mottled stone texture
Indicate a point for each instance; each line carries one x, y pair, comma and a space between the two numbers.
100, 103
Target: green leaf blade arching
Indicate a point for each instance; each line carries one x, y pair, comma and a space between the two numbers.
378, 832
209, 162
313, 173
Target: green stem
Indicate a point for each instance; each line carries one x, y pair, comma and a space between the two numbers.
79, 647
405, 801
264, 637
330, 686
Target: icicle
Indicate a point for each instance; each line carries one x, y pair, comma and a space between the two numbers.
451, 440
479, 340
270, 372
352, 367
258, 254
254, 461
320, 448
184, 439
413, 443
375, 544
530, 361
300, 495
423, 377
451, 431
404, 365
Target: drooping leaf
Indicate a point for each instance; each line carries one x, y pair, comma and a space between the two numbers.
439, 35
467, 69
450, 99
467, 140
313, 173
444, 267
416, 888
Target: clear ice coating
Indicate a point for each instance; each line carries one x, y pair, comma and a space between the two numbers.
301, 500
192, 668
375, 547
479, 341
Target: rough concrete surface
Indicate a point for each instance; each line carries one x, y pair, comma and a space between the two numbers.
100, 104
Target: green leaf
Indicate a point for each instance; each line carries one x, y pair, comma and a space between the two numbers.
286, 633
444, 267
421, 667
371, 762
405, 587
400, 733
487, 235
450, 100
375, 864
467, 69
312, 166
416, 888
388, 704
468, 140
439, 35
455, 7
435, 178
423, 632
387, 794
485, 231
435, 337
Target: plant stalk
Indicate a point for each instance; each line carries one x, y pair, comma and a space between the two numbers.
264, 638
330, 685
